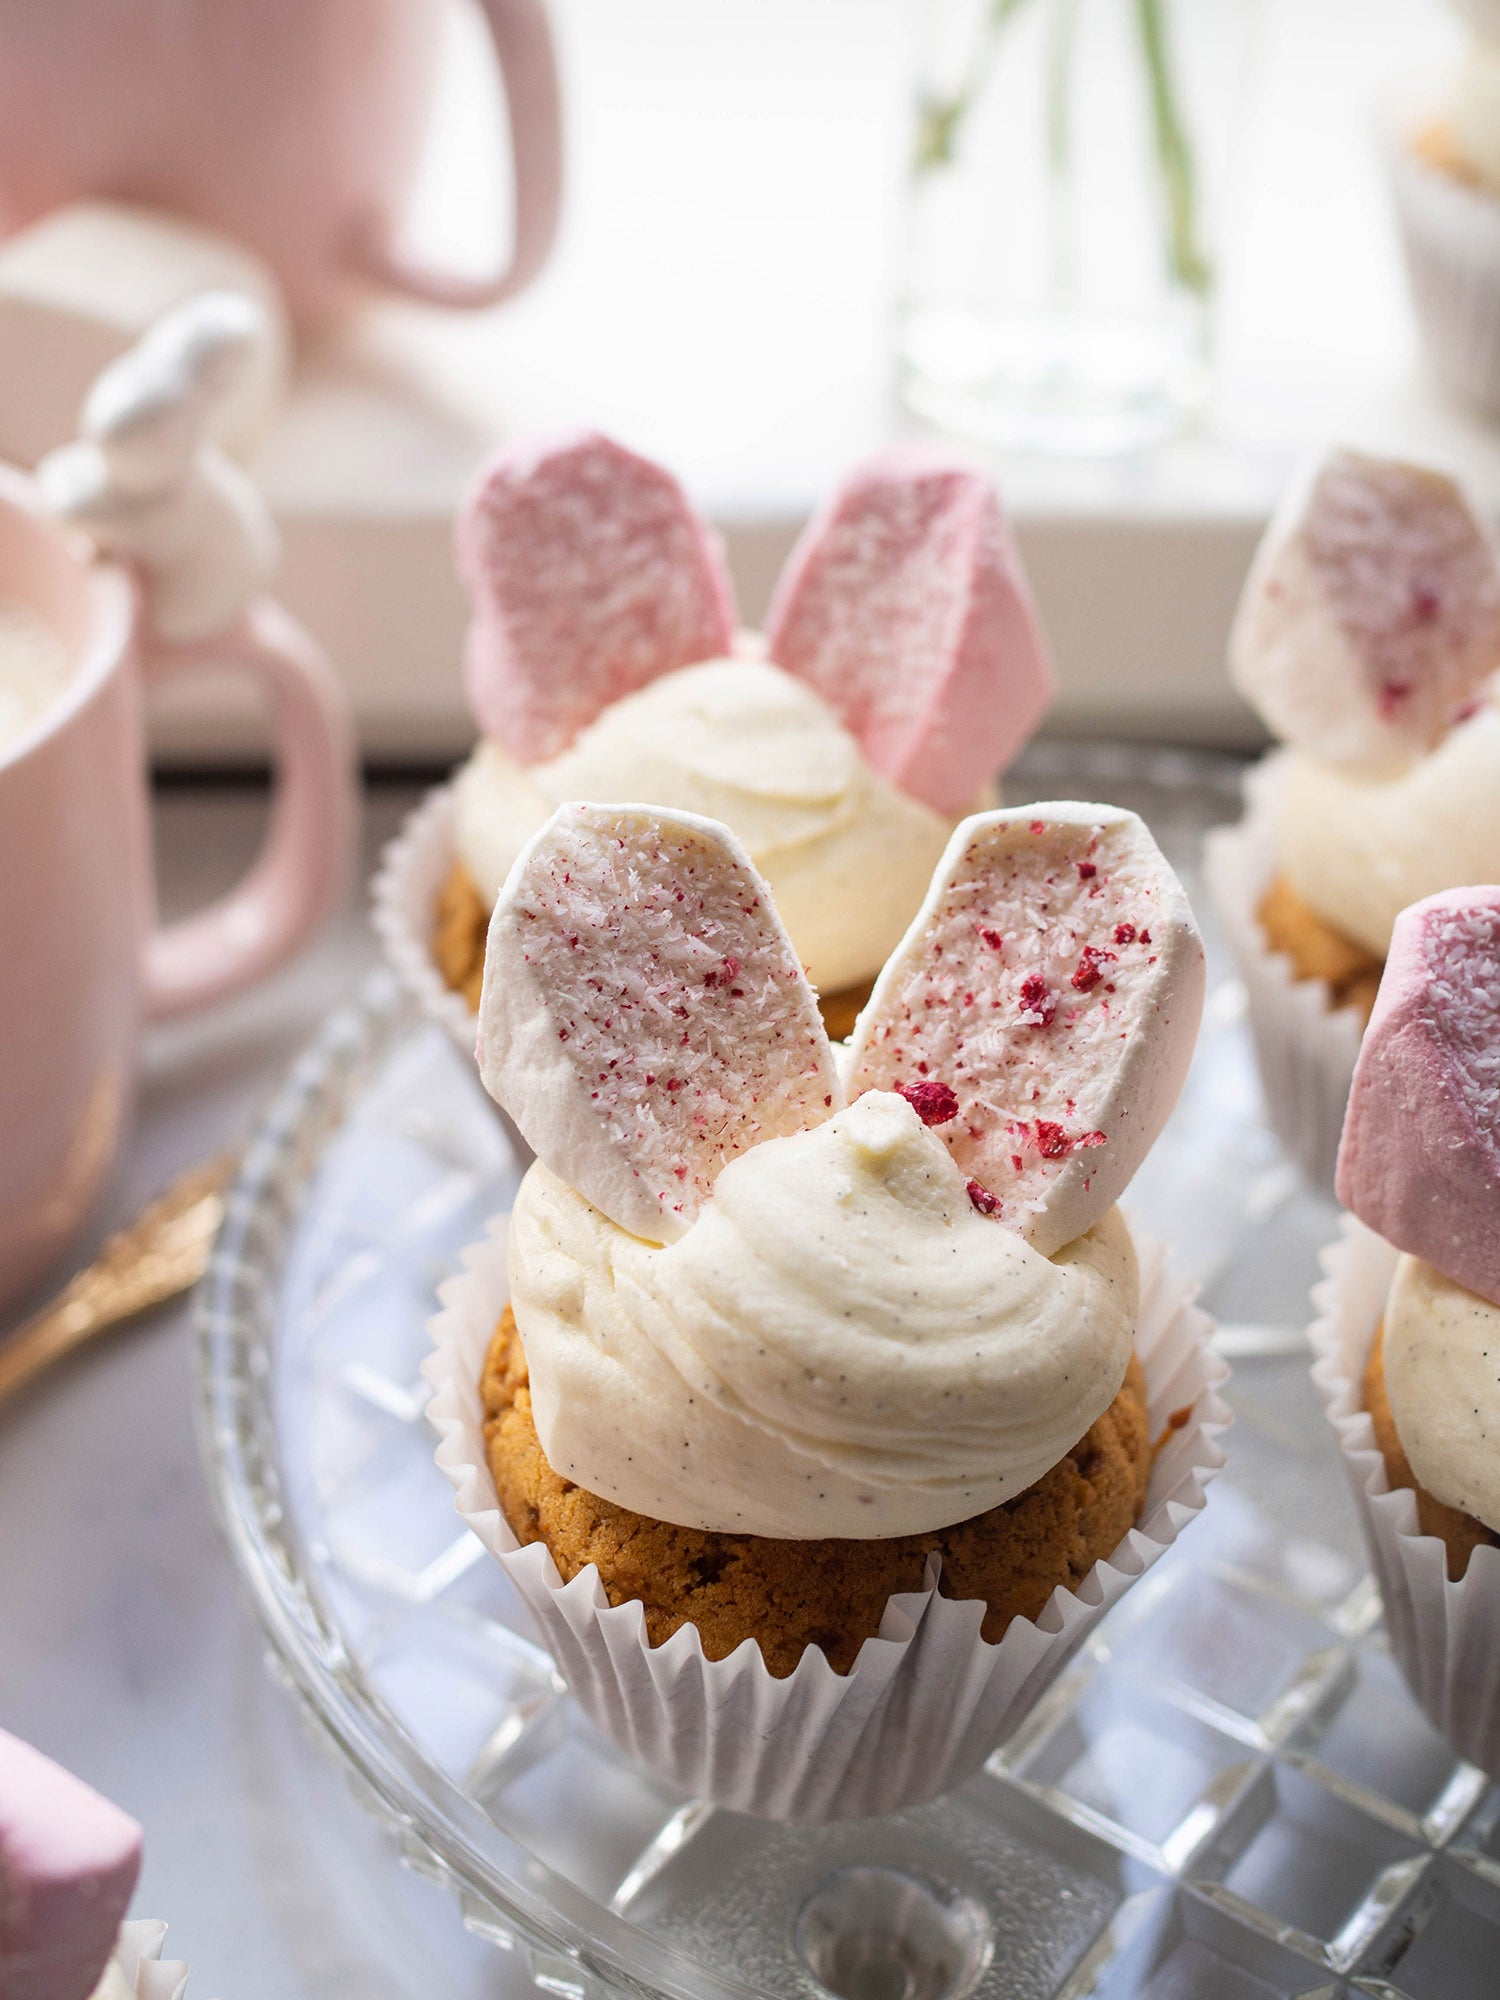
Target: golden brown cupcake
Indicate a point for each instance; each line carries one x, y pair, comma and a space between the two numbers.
829, 1593
1460, 1533
1318, 951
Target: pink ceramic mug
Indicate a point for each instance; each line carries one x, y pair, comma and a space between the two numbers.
295, 125
81, 961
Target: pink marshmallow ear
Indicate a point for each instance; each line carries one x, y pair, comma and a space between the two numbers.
904, 605
1420, 1159
1371, 616
1041, 1011
68, 1866
590, 576
644, 1017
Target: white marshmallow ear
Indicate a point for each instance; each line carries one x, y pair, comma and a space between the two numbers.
1371, 616
644, 1017
1041, 1011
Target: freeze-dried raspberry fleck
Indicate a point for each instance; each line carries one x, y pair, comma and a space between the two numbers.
1086, 871
1038, 999
983, 1200
1090, 968
1124, 933
1052, 1142
1039, 826
933, 1102
1390, 697
994, 939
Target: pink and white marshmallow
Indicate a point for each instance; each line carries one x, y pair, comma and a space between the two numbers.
68, 1867
644, 1017
905, 606
1420, 1159
590, 575
1042, 1011
1371, 616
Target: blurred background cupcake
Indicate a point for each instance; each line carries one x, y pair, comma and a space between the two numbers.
1446, 175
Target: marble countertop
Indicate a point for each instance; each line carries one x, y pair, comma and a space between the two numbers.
126, 1650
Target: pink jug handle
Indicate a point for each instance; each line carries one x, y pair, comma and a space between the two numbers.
309, 842
528, 71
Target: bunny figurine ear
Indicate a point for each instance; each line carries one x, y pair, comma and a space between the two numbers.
1420, 1158
905, 607
644, 1017
590, 576
1041, 1011
1371, 615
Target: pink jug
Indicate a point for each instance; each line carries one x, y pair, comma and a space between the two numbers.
294, 125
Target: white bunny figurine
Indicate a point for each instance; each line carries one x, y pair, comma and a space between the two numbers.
147, 480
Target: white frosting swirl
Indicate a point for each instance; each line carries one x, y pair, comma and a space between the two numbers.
847, 855
840, 1345
1442, 1376
1358, 847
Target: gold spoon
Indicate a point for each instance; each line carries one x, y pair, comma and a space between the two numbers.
163, 1252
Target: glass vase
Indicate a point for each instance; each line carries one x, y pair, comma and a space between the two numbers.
1068, 173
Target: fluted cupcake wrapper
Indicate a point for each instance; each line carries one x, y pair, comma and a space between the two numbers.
1305, 1047
138, 1967
403, 903
924, 1703
1451, 237
1445, 1635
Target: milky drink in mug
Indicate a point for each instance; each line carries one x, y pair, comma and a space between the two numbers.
81, 961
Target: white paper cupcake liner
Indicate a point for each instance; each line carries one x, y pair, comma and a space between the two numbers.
925, 1702
403, 900
138, 1968
1451, 236
1305, 1047
1445, 1635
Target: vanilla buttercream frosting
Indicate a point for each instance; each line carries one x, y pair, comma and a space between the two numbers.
1359, 846
847, 855
841, 1344
1442, 1377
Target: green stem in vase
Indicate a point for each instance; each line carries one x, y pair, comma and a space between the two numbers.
939, 118
1174, 155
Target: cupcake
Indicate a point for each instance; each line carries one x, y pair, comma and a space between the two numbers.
901, 669
1408, 1338
1445, 171
818, 1402
1367, 639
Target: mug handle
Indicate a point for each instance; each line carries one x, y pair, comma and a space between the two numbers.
309, 842
528, 71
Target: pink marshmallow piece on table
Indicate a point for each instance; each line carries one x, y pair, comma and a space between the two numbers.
1420, 1158
589, 576
1041, 1012
905, 607
644, 1017
68, 1866
1371, 616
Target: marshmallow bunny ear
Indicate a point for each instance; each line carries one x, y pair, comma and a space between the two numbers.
904, 605
590, 576
1041, 1011
1420, 1159
644, 1017
1371, 616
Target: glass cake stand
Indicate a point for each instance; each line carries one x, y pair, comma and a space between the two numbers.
1228, 1796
